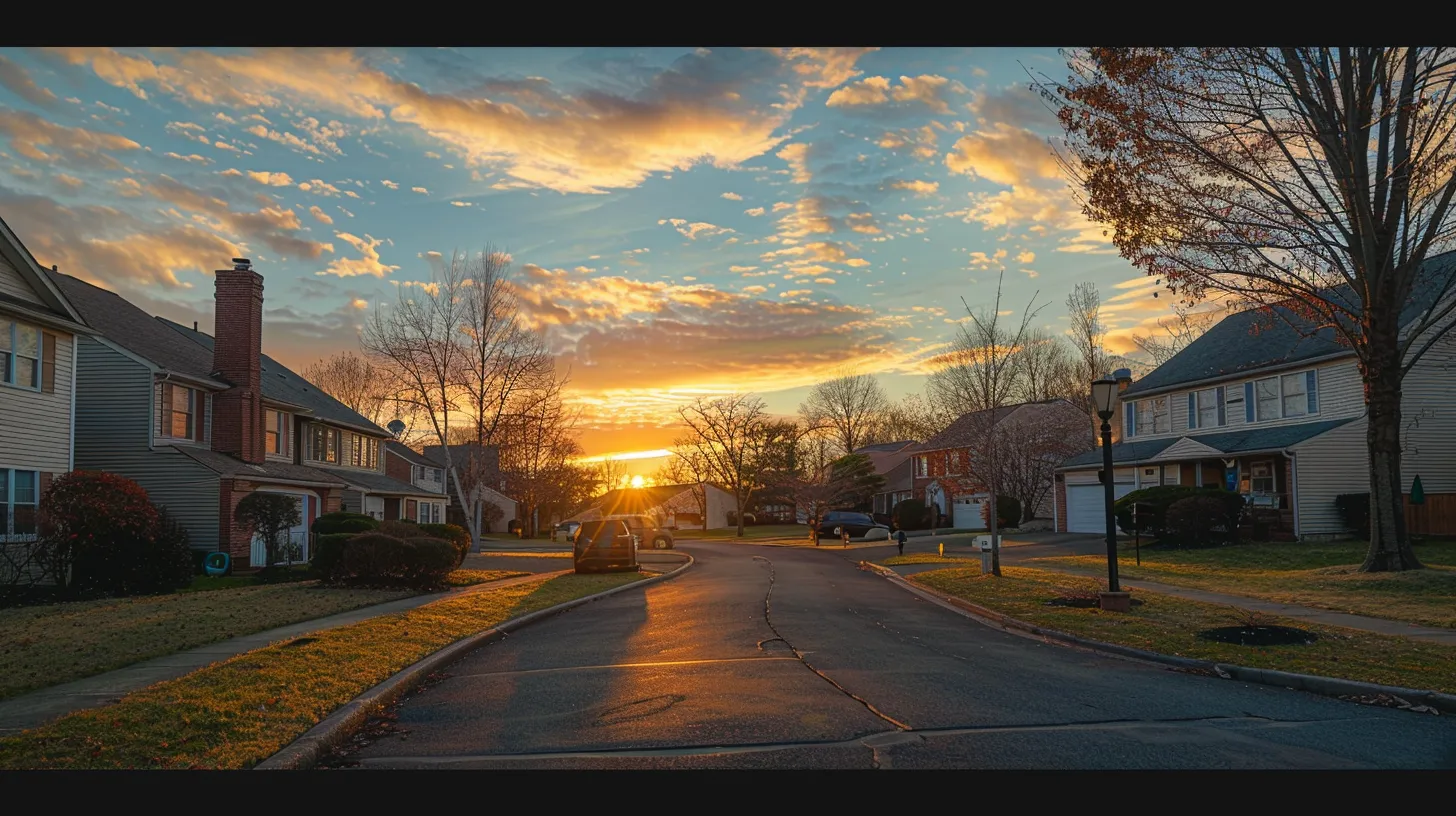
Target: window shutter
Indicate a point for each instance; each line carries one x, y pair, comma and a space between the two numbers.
47, 363
1310, 381
1219, 397
199, 403
161, 401
1193, 409
1249, 402
1129, 419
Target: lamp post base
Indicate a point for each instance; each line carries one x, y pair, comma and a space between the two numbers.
1115, 601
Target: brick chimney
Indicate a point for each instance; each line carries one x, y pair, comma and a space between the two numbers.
237, 413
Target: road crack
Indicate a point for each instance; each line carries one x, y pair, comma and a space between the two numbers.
768, 618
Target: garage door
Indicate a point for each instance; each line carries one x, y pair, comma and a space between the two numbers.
967, 514
1086, 511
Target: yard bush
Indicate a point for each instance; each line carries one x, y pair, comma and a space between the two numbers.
453, 533
1354, 510
1198, 521
402, 528
1152, 504
164, 561
377, 559
1008, 512
270, 516
327, 560
91, 523
911, 514
330, 523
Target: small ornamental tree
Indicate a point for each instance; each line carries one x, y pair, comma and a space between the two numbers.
88, 520
271, 515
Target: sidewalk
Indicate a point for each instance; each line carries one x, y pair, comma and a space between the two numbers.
1379, 626
43, 705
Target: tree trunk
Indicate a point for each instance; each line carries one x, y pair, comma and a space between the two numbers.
741, 502
1390, 546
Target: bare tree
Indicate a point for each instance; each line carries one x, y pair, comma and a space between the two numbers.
982, 376
350, 378
851, 404
1313, 182
913, 418
538, 448
1031, 444
609, 473
1084, 310
1175, 333
1045, 368
687, 465
731, 435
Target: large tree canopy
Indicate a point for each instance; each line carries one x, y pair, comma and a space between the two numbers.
1317, 179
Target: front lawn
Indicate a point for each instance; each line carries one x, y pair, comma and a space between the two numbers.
46, 645
235, 714
494, 554
1169, 625
1323, 575
927, 558
471, 577
751, 532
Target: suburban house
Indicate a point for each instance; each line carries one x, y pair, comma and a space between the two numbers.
39, 331
201, 421
484, 463
941, 466
892, 461
403, 464
672, 506
1263, 405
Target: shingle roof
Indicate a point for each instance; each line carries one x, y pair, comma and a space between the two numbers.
136, 331
409, 454
1253, 340
229, 466
1240, 441
380, 483
963, 431
887, 456
284, 385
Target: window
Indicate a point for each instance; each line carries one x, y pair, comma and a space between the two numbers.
1152, 416
430, 513
19, 354
1261, 477
19, 495
1289, 395
922, 466
356, 450
1205, 408
178, 411
326, 444
277, 432
953, 462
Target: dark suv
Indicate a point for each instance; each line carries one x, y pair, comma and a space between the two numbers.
649, 535
605, 546
858, 524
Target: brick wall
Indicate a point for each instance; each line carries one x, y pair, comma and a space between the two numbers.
235, 540
397, 467
237, 424
1059, 484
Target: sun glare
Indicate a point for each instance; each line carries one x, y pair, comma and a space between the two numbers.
637, 481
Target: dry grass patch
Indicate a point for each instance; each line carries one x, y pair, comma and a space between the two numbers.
527, 554
234, 714
471, 577
43, 646
927, 558
1169, 625
1320, 575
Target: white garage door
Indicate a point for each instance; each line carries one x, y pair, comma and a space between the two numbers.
966, 514
1086, 507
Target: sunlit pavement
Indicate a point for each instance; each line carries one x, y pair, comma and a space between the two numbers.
762, 657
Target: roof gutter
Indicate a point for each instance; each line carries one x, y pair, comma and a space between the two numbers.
1225, 378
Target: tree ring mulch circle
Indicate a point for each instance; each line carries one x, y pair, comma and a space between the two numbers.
1085, 603
1260, 635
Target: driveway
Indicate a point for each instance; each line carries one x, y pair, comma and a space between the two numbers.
763, 657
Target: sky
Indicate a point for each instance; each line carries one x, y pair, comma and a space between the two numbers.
680, 222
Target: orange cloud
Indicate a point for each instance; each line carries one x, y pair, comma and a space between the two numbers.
1004, 155
367, 264
31, 136
927, 89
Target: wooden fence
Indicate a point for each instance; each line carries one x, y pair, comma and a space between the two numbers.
1436, 517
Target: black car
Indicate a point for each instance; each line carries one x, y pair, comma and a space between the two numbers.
607, 545
858, 524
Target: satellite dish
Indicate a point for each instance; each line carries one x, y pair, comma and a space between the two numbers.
396, 427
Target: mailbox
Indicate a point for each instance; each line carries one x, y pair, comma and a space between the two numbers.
605, 546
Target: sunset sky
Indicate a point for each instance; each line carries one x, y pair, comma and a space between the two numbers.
681, 221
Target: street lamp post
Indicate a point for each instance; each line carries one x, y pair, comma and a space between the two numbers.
1104, 400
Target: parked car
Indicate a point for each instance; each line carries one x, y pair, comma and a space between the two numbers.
568, 529
648, 533
607, 545
858, 524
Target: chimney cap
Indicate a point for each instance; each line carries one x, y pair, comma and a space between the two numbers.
242, 263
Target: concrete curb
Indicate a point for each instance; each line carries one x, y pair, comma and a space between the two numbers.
305, 752
1329, 686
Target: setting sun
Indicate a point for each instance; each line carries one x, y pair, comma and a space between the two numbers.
637, 481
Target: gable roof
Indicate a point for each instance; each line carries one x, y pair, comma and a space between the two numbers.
961, 432
127, 326
282, 384
1249, 440
54, 303
886, 456
408, 454
1254, 340
229, 466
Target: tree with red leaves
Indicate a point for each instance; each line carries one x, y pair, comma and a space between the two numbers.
1318, 180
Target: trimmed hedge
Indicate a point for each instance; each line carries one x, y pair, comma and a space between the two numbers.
1201, 520
1153, 504
911, 514
376, 559
331, 523
1008, 512
453, 533
328, 556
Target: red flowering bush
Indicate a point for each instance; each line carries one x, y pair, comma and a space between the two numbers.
100, 531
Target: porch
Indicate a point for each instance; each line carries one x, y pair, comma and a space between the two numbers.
1264, 480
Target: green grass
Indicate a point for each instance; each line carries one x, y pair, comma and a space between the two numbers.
751, 532
926, 558
234, 714
43, 646
527, 554
207, 583
471, 577
1169, 625
1323, 575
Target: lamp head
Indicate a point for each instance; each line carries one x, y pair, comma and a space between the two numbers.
1104, 397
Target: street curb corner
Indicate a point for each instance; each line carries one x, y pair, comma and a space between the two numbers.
1315, 684
305, 752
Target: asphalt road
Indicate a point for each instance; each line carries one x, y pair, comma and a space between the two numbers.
762, 657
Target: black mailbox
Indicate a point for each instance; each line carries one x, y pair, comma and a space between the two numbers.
605, 546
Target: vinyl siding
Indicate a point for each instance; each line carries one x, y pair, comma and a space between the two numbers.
1332, 463
353, 501
1428, 420
1338, 392
1086, 477
36, 430
11, 283
114, 420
